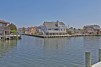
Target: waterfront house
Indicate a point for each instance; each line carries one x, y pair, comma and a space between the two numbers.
20, 30
26, 31
4, 30
33, 30
41, 29
92, 29
53, 28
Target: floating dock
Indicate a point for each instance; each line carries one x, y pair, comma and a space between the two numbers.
10, 37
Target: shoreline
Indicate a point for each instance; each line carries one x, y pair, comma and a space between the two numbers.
60, 36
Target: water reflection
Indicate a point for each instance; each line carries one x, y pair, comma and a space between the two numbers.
48, 52
92, 44
6, 46
55, 43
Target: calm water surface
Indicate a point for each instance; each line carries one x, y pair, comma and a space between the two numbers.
48, 52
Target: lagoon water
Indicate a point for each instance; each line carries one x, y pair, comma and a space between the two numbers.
48, 52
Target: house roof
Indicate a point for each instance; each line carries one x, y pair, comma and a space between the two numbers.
53, 24
61, 23
4, 22
92, 26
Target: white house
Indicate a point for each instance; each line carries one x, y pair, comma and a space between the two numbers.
53, 28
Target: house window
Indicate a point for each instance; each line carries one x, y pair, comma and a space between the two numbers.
56, 29
47, 34
56, 25
49, 29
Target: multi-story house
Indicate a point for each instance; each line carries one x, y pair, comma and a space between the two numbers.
92, 29
3, 28
53, 28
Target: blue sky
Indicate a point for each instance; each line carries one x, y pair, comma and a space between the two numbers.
76, 13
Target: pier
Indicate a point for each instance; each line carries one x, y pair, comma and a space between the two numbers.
88, 60
48, 36
97, 64
10, 37
56, 36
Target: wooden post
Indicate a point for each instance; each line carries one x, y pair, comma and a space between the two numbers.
9, 33
99, 55
17, 36
87, 59
4, 34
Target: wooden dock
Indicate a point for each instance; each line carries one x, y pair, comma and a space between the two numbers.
97, 64
10, 37
88, 60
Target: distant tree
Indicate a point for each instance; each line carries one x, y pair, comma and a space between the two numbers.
69, 32
23, 30
71, 28
13, 28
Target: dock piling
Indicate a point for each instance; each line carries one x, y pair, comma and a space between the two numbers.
99, 55
87, 59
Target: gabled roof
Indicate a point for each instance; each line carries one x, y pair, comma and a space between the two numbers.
91, 26
61, 23
52, 24
4, 22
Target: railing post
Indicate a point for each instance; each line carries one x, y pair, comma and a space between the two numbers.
99, 54
87, 59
